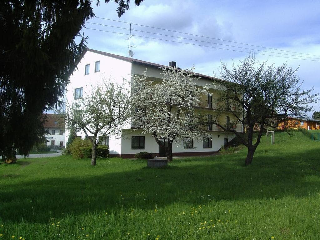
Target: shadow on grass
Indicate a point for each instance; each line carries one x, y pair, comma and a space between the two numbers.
184, 182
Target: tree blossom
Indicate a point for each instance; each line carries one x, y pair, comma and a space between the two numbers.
101, 112
166, 108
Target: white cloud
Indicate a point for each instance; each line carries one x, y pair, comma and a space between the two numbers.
290, 27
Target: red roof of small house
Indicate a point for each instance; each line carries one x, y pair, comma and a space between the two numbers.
54, 121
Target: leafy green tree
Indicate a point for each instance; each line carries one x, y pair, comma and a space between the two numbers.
38, 52
316, 115
101, 112
257, 95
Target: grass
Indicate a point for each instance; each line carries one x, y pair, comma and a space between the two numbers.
277, 197
44, 152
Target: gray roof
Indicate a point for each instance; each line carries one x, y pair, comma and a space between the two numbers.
137, 61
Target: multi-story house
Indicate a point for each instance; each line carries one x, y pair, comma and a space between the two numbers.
98, 66
55, 128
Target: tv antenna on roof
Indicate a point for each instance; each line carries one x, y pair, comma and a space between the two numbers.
130, 45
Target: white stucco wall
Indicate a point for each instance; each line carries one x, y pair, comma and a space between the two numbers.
151, 145
116, 70
56, 137
151, 71
111, 69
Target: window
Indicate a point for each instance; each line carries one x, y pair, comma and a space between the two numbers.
53, 142
104, 140
86, 69
53, 132
137, 142
61, 143
78, 93
207, 142
61, 132
209, 100
188, 143
210, 122
97, 66
228, 122
301, 123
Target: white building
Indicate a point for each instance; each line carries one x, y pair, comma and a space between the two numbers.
54, 125
97, 66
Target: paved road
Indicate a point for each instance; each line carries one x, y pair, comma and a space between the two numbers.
55, 154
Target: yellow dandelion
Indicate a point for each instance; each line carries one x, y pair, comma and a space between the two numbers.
1, 234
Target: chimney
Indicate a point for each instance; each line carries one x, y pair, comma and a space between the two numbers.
173, 64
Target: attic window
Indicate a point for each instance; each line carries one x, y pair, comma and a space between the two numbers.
86, 69
97, 66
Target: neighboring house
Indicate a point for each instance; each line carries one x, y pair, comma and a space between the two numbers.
55, 127
296, 123
97, 66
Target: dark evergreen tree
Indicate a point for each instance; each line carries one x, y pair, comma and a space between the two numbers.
38, 52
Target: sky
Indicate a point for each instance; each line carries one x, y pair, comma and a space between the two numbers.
205, 33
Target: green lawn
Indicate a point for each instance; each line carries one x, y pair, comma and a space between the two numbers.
277, 197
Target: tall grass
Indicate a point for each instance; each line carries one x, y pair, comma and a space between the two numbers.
277, 197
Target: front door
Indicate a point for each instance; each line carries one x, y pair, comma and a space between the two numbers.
162, 147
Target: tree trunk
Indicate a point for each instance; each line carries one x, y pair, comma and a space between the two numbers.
169, 151
94, 153
9, 156
251, 150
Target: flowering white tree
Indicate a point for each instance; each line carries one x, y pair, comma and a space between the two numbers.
101, 112
166, 109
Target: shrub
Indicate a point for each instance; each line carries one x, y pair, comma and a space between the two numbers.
40, 148
103, 151
144, 155
83, 149
80, 148
72, 137
85, 152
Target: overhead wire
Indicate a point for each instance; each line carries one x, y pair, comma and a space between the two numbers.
191, 40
